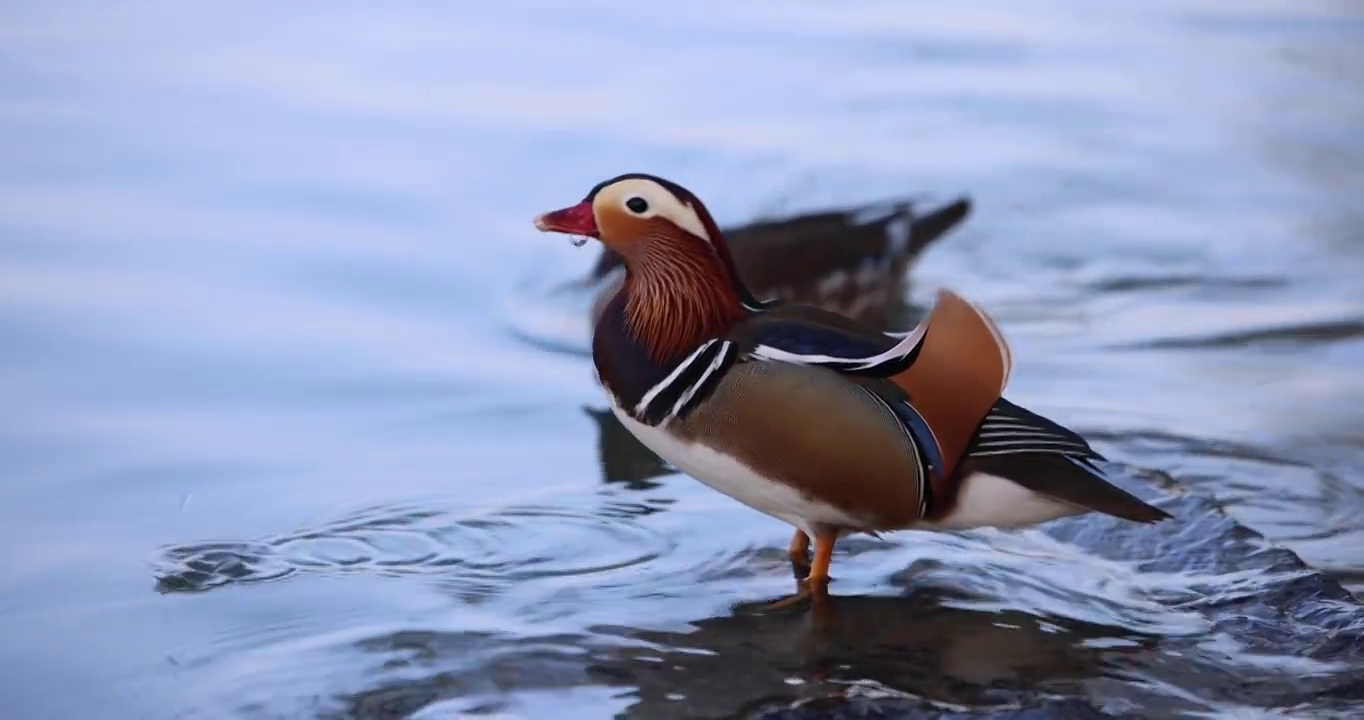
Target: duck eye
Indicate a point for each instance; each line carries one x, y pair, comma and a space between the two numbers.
637, 205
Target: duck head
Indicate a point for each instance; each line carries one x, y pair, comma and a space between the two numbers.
634, 214
681, 286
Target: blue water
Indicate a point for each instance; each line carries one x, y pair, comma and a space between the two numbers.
267, 277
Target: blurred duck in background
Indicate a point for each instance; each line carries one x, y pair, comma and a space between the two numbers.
852, 262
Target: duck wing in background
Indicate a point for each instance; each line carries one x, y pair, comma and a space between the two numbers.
851, 262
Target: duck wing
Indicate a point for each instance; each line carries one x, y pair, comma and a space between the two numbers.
953, 366
1047, 458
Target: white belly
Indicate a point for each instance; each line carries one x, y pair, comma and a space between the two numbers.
990, 500
732, 477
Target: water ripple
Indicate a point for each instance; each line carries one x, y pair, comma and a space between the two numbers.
511, 545
1307, 506
1139, 283
209, 565
1303, 333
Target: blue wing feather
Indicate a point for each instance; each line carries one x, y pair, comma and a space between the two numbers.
802, 338
921, 432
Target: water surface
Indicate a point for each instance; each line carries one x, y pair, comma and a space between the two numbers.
284, 438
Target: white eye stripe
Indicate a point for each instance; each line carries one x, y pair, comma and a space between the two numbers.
662, 203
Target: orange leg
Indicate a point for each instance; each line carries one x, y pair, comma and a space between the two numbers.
824, 554
799, 552
816, 584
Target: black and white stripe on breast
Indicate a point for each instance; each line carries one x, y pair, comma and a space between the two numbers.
687, 384
1009, 429
922, 445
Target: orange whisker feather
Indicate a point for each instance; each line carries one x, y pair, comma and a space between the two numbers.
677, 296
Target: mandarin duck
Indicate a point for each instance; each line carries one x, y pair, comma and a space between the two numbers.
851, 261
810, 416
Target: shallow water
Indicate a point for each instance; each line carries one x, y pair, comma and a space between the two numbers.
285, 438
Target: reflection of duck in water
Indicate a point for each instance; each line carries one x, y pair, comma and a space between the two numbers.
917, 645
735, 665
852, 261
623, 458
810, 416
